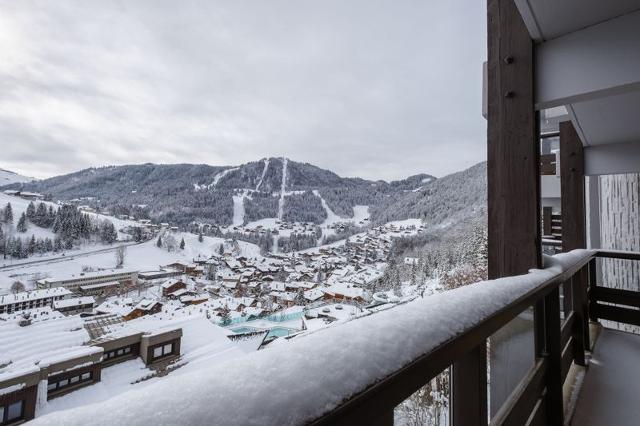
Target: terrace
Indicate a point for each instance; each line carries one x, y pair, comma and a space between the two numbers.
542, 342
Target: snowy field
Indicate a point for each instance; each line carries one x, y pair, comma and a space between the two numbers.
145, 256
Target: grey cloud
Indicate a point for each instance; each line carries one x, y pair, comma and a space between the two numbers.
378, 89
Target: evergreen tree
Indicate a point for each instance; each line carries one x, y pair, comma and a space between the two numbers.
31, 211
17, 249
159, 242
225, 316
22, 223
182, 244
220, 249
57, 244
3, 244
31, 247
8, 214
200, 237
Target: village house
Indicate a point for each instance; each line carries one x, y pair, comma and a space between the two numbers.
145, 307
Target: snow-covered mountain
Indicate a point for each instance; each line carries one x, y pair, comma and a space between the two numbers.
8, 177
267, 188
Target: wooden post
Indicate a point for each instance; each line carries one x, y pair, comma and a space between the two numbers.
513, 147
469, 389
546, 220
572, 188
513, 157
553, 351
574, 234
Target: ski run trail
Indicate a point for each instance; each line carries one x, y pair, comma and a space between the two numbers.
264, 173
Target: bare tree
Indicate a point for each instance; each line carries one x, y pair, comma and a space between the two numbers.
17, 287
121, 253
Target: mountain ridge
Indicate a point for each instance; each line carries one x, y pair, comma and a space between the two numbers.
184, 193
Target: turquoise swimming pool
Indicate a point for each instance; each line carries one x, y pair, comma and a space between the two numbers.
273, 332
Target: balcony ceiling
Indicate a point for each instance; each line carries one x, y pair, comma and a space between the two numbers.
548, 19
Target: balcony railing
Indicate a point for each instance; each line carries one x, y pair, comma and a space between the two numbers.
358, 372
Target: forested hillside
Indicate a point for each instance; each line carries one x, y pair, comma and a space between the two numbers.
268, 188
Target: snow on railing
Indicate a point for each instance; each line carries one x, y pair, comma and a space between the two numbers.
298, 382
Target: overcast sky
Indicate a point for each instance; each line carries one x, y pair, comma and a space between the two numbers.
376, 89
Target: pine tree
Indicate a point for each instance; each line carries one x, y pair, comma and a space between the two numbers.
225, 316
8, 214
3, 244
31, 247
159, 242
31, 211
200, 237
182, 244
221, 249
22, 223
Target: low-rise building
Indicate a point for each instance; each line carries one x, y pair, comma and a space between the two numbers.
75, 305
74, 282
32, 299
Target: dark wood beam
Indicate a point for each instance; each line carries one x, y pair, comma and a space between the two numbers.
469, 388
513, 157
572, 188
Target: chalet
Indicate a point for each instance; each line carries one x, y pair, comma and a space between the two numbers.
145, 307
171, 286
344, 291
193, 299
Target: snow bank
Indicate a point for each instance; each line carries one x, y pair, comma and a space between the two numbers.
291, 384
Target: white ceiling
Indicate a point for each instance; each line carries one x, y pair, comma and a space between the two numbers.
548, 19
614, 119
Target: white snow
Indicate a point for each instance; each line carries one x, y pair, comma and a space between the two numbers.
269, 387
264, 172
238, 209
145, 256
283, 189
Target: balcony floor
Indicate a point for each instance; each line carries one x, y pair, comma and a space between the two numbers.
611, 388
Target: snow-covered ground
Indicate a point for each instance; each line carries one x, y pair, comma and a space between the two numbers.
145, 256
264, 173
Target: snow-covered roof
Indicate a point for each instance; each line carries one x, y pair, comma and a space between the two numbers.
76, 301
24, 346
100, 285
88, 275
27, 296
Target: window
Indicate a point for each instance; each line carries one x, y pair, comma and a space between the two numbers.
163, 350
75, 379
52, 386
127, 349
168, 348
64, 382
86, 376
157, 352
120, 352
14, 411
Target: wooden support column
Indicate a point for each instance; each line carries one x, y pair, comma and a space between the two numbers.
574, 233
513, 169
572, 188
513, 156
